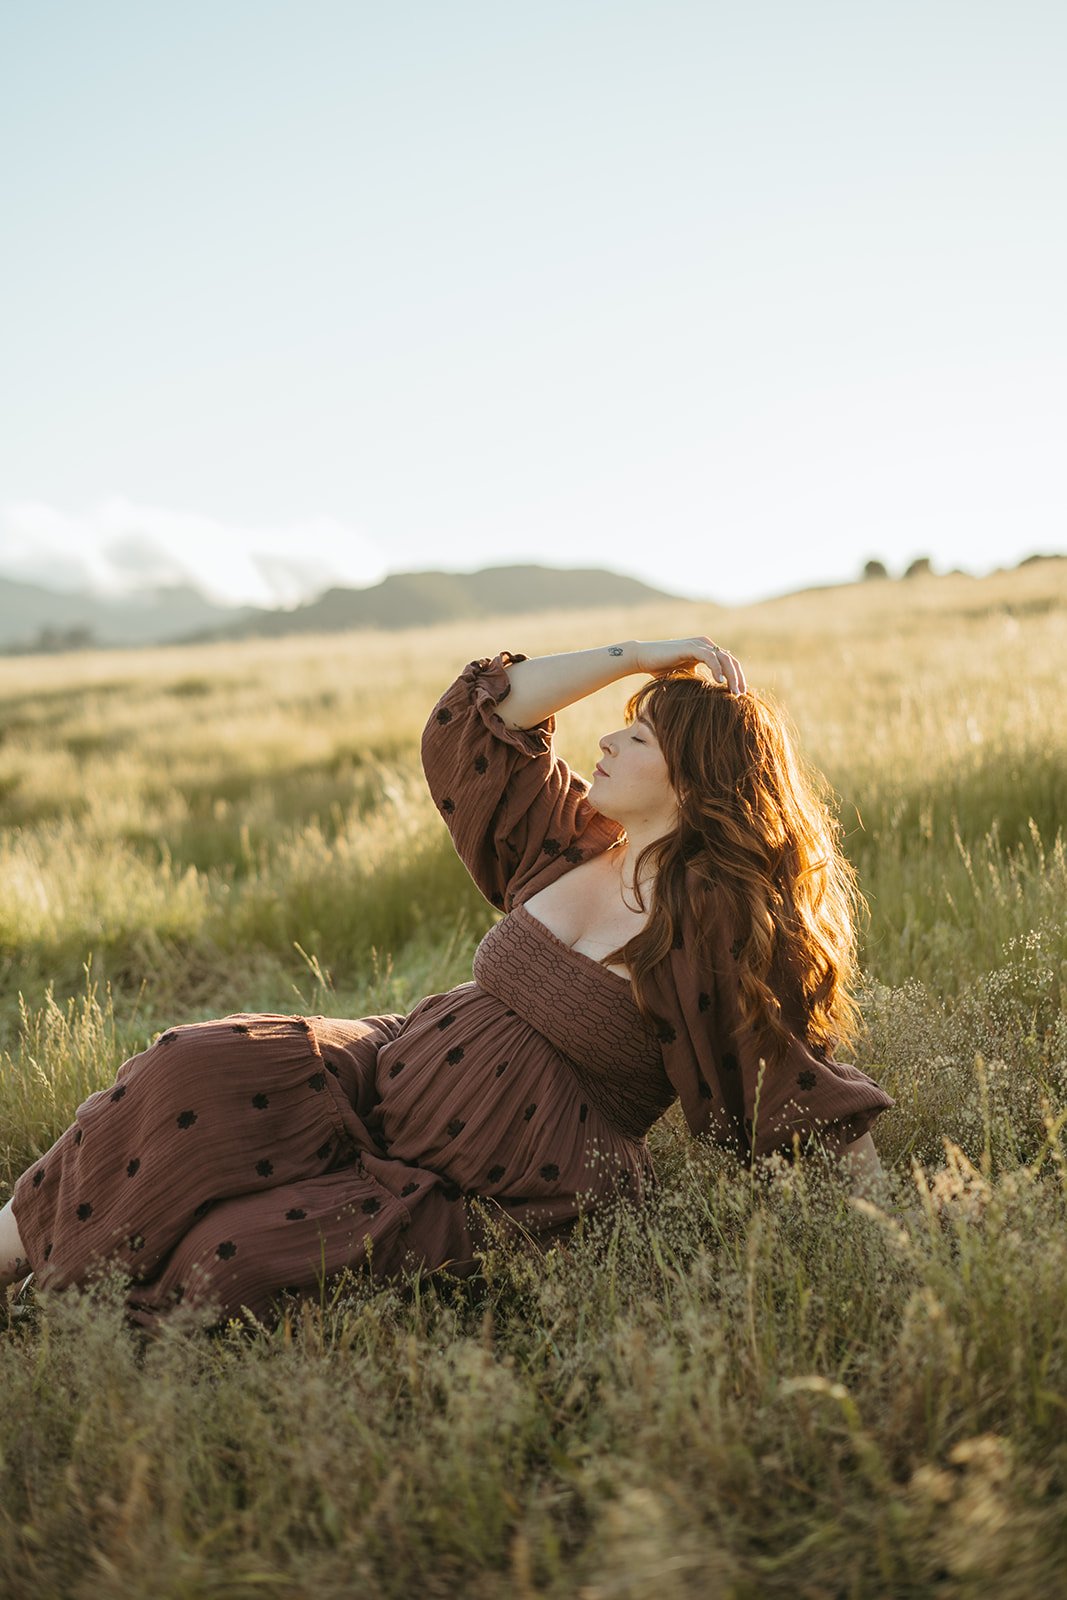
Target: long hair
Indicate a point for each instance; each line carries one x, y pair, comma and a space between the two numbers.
756, 854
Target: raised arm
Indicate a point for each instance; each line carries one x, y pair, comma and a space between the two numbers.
542, 685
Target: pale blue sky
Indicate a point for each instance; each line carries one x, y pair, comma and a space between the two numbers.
730, 297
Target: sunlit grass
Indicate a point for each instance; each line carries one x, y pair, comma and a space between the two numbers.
752, 1388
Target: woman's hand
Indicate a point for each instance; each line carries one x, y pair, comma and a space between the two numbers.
658, 655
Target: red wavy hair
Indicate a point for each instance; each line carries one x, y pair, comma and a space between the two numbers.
756, 851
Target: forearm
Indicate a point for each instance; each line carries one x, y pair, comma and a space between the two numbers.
865, 1171
545, 684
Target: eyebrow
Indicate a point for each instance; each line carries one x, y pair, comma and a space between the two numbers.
646, 724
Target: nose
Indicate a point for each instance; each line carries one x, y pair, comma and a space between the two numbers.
606, 744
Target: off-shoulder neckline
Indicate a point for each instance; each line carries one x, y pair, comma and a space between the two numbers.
579, 954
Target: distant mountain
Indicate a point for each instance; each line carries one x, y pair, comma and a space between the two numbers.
417, 599
35, 618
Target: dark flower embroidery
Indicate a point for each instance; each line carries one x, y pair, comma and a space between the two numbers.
260, 1102
203, 1208
501, 1068
409, 1188
38, 1177
481, 764
454, 1055
186, 1119
85, 1211
702, 1085
295, 1215
133, 1168
47, 1250
331, 1066
264, 1168
807, 1079
226, 1250
451, 1190
705, 1001
119, 1092
455, 1127
240, 1027
168, 1038
549, 1171
665, 1033
136, 1241
729, 1063
397, 1066
317, 1081
446, 1022
444, 715
530, 1109
551, 847
77, 1136
494, 1174
583, 1112
448, 806
324, 1150
573, 854
372, 1204
497, 899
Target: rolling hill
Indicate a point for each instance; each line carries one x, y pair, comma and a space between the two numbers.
34, 618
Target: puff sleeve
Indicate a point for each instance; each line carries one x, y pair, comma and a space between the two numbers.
724, 1088
517, 814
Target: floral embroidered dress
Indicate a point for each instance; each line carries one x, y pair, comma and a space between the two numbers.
235, 1160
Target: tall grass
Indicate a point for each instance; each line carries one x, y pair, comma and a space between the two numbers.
753, 1387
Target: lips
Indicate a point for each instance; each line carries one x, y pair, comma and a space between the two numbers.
600, 769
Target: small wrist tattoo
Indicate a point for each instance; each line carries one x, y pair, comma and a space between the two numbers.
614, 649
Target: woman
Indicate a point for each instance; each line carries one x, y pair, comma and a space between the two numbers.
677, 928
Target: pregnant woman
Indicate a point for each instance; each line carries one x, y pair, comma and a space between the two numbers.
677, 928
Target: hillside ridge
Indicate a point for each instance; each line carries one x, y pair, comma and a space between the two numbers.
35, 618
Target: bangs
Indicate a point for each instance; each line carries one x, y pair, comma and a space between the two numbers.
665, 693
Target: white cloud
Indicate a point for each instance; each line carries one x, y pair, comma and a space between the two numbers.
120, 547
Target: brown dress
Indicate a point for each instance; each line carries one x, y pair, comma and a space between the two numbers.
235, 1160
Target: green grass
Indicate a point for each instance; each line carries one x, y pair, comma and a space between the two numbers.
752, 1388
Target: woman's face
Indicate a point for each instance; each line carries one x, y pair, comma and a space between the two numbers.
630, 784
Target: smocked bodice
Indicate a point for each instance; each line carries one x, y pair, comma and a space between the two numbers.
585, 1011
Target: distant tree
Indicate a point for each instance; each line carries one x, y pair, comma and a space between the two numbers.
921, 567
874, 569
52, 640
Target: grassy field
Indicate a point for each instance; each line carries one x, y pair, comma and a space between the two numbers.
753, 1388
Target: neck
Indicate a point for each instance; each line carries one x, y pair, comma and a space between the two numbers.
637, 837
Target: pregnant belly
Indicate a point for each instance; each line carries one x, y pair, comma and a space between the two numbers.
471, 1090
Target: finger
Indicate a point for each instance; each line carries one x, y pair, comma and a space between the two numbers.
730, 668
735, 674
707, 652
716, 658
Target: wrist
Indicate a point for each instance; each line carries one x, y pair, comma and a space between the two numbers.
624, 657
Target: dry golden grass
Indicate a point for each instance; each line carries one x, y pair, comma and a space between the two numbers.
752, 1389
